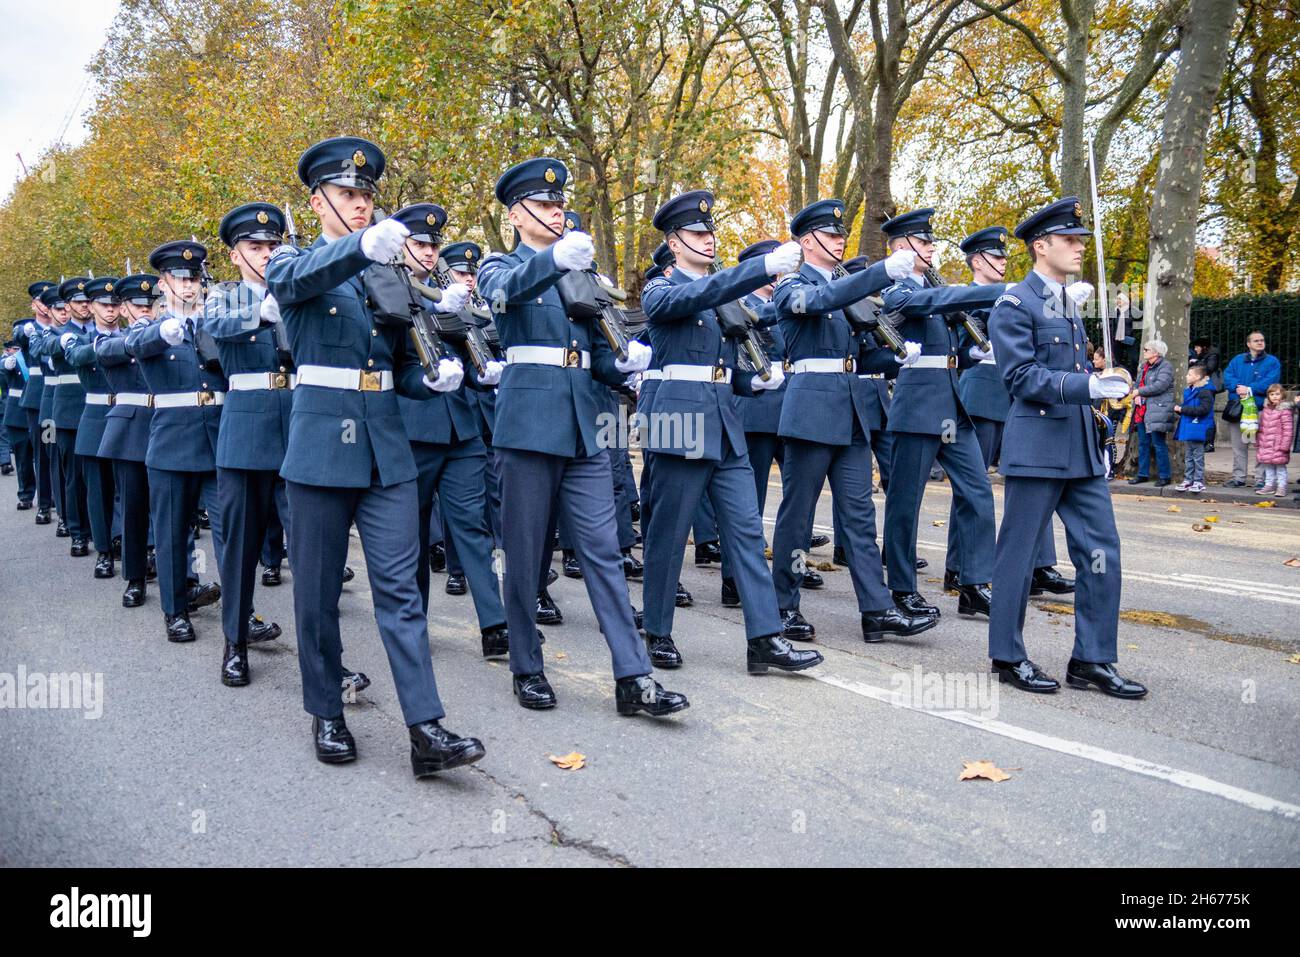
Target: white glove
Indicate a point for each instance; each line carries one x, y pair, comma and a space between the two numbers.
382, 242
172, 331
574, 250
450, 374
782, 259
29, 329
1079, 292
10, 363
1107, 387
638, 357
900, 264
270, 309
633, 382
67, 339
453, 298
979, 355
913, 353
778, 377
492, 374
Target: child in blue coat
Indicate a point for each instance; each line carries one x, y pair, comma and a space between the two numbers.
1195, 420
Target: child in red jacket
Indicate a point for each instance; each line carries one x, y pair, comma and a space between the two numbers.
1273, 444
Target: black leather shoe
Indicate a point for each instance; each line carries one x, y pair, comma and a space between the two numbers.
200, 596
638, 619
818, 541
812, 581
1138, 480
150, 564
950, 581
1160, 483
6, 469
632, 567
683, 598
534, 692
234, 665
838, 556
354, 682
1084, 674
912, 603
973, 600
570, 564
271, 576
133, 597
795, 627
202, 519
23, 506
178, 628
548, 613
334, 743
437, 557
635, 508
1048, 579
348, 574
773, 651
79, 549
708, 553
894, 621
434, 749
456, 583
921, 563
496, 641
104, 565
259, 629
643, 693
663, 653
552, 576
115, 547
43, 516
1026, 676
730, 595
61, 530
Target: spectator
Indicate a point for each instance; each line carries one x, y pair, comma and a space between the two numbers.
1195, 418
1273, 444
1205, 354
1153, 412
1253, 371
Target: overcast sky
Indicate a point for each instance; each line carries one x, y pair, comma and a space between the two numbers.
44, 48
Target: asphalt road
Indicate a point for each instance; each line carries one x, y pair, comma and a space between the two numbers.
828, 767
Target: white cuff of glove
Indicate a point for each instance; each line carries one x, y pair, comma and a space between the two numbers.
638, 358
784, 258
574, 250
913, 353
172, 331
1107, 387
453, 298
382, 242
979, 355
270, 309
775, 382
450, 375
899, 265
491, 374
67, 339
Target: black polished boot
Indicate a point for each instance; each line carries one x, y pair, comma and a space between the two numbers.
663, 653
683, 598
259, 629
773, 651
61, 530
234, 665
638, 619
950, 580
818, 541
23, 505
80, 548
708, 553
150, 564
548, 613
348, 574
334, 743
552, 576
354, 682
43, 516
838, 556
974, 600
1085, 674
812, 581
456, 583
876, 625
730, 595
271, 576
434, 749
569, 562
921, 563
912, 603
794, 627
179, 628
635, 508
632, 567
200, 596
534, 692
496, 641
437, 557
1026, 676
133, 597
1048, 579
643, 693
104, 565
202, 519
116, 547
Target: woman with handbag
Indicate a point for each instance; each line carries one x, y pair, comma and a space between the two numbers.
1153, 412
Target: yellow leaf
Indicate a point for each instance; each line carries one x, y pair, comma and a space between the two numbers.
1264, 504
1294, 659
572, 761
938, 524
767, 553
1057, 608
1131, 647
982, 769
1211, 519
1174, 508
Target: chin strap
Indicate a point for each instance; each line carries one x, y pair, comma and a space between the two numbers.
524, 204
1002, 273
829, 255
681, 239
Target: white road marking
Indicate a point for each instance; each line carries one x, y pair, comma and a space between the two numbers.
1125, 762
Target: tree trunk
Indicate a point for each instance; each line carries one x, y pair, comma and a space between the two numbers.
1078, 15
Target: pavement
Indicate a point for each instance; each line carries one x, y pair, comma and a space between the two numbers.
853, 763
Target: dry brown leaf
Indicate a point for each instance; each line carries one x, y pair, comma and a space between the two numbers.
1265, 504
826, 566
767, 553
938, 524
1131, 647
1150, 618
1294, 659
1208, 501
1057, 608
982, 769
1292, 563
1198, 527
934, 581
1174, 508
1211, 519
573, 761
561, 655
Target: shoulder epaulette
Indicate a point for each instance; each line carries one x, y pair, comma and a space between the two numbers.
1005, 297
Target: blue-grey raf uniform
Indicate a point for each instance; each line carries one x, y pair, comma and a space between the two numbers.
28, 335
46, 433
761, 413
67, 402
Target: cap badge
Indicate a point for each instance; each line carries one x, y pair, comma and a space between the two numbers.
262, 217
359, 158
549, 175
81, 286
187, 255
469, 254
1078, 211
144, 285
836, 211
430, 219
108, 287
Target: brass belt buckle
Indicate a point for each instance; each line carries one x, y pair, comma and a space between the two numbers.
572, 359
952, 362
112, 400
207, 398
719, 374
148, 401
788, 366
279, 380
848, 363
371, 381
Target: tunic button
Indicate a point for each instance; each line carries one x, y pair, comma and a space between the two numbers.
283, 369
334, 310
171, 356
539, 300
699, 322
252, 338
575, 343
1076, 347
1056, 338
1042, 412
370, 362
1078, 367
374, 332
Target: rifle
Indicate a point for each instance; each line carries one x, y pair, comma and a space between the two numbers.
204, 344
740, 322
396, 301
588, 298
868, 315
960, 318
475, 315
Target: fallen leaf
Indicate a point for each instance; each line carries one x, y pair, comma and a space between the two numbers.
561, 655
1198, 527
826, 566
938, 524
1150, 618
767, 553
1209, 501
1211, 519
1265, 504
1056, 608
1131, 647
1174, 508
982, 769
1292, 563
572, 761
1294, 659
935, 581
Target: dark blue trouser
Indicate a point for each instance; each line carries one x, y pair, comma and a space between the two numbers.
492, 486
42, 460
20, 440
1085, 509
764, 449
807, 465
583, 488
622, 506
680, 484
913, 454
100, 491
1145, 441
452, 475
72, 473
273, 547
245, 500
318, 552
132, 480
173, 499
989, 434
